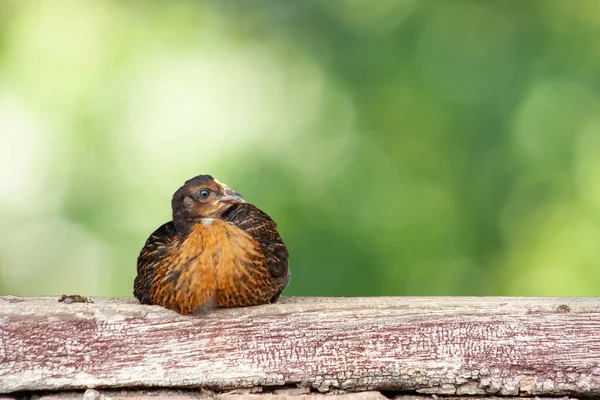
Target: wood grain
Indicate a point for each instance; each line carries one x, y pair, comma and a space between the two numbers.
93, 394
452, 346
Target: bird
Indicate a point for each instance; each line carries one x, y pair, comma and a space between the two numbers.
217, 251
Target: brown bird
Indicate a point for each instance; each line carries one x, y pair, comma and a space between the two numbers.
217, 251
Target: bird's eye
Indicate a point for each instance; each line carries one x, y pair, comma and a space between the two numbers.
203, 194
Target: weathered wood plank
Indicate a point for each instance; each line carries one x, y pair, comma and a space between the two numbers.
93, 394
459, 346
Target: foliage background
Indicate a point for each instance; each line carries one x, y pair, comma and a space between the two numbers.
405, 147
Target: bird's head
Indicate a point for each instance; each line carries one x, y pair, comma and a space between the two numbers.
201, 197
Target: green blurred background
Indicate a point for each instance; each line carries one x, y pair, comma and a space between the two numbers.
405, 147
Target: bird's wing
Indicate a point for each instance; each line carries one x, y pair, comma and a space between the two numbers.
154, 253
263, 229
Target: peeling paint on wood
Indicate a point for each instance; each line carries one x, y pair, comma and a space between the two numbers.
449, 346
92, 394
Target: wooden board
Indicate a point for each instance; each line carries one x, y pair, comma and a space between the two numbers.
438, 345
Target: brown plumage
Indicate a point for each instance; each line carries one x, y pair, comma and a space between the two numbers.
217, 251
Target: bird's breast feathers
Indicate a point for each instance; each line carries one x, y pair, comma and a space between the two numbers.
216, 263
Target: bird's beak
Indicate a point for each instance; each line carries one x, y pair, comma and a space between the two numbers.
229, 195
232, 197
